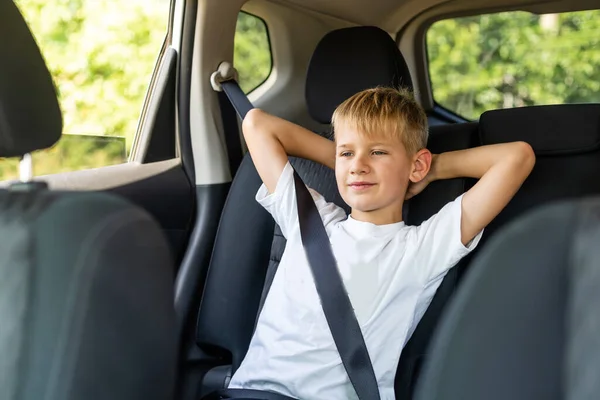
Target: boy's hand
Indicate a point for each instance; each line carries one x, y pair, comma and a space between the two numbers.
414, 188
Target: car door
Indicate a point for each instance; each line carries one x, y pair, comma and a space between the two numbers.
115, 67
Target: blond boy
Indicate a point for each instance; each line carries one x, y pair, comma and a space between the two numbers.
390, 270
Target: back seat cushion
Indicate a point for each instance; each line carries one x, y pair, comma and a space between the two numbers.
566, 140
237, 270
550, 130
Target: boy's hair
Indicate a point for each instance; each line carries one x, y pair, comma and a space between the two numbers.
388, 111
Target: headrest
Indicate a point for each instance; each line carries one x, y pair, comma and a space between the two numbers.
550, 130
347, 61
30, 117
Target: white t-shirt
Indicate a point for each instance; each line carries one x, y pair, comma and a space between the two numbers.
391, 273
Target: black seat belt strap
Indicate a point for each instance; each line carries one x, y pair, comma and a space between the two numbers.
232, 133
232, 99
238, 98
336, 304
330, 287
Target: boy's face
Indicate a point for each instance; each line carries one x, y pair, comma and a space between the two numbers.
373, 174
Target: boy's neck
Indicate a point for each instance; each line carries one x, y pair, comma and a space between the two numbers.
378, 217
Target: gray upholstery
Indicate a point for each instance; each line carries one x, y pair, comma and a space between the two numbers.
582, 351
86, 285
30, 117
525, 318
86, 293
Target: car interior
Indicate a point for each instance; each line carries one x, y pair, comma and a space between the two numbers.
145, 279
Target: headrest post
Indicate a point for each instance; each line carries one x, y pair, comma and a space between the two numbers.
26, 168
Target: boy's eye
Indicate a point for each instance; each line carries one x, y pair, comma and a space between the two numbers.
345, 154
378, 153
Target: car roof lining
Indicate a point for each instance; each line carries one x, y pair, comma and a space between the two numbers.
393, 15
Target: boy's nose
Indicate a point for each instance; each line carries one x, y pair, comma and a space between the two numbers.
359, 166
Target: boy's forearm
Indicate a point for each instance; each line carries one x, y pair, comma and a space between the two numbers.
296, 140
475, 162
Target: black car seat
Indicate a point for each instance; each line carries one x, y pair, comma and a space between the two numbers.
248, 246
566, 140
524, 324
86, 286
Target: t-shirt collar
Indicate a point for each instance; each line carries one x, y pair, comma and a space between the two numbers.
361, 228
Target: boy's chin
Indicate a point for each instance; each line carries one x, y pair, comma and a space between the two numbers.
362, 206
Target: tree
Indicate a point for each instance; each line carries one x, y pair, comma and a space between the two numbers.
252, 53
514, 59
101, 55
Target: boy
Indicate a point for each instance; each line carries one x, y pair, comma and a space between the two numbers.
391, 271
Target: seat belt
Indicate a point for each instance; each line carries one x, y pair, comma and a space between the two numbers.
232, 133
231, 130
336, 304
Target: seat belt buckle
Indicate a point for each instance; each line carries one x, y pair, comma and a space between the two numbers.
225, 72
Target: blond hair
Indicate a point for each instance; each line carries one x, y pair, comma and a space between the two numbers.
391, 112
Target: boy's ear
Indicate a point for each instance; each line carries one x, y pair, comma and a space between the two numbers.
421, 165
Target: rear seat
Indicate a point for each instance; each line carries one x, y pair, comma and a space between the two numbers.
248, 245
566, 140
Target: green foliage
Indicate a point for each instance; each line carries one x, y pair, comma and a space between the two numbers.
514, 59
101, 55
252, 52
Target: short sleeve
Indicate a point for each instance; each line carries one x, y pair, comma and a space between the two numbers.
281, 204
439, 241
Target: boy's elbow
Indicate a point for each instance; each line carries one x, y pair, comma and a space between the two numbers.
524, 156
252, 122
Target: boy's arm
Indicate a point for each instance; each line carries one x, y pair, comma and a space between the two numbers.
500, 168
271, 140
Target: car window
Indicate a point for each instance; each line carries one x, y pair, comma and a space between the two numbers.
514, 59
252, 51
101, 55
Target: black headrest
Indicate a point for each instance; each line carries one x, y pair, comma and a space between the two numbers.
30, 117
347, 61
550, 130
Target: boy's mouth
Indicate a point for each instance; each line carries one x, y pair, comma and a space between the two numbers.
358, 186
